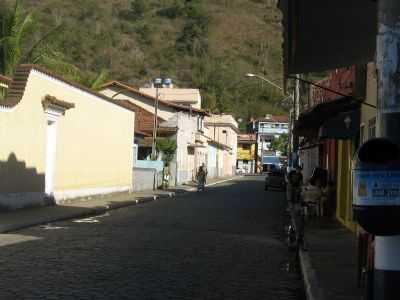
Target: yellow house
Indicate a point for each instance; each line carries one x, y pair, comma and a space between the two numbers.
60, 140
246, 152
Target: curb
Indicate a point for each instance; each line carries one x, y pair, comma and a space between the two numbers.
312, 287
311, 284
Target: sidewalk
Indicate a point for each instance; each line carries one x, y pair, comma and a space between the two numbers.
88, 206
329, 263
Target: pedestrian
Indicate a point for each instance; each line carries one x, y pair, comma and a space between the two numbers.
316, 192
201, 177
295, 179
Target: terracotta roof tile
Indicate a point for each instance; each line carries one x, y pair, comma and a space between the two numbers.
281, 118
5, 79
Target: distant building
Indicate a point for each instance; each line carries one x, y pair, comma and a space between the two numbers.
179, 122
266, 129
222, 131
246, 153
169, 93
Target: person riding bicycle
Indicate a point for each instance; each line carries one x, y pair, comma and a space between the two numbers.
201, 177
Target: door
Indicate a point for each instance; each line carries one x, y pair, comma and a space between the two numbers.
50, 157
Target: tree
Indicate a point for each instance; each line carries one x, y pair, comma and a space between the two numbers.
17, 47
137, 10
167, 147
96, 81
13, 30
280, 144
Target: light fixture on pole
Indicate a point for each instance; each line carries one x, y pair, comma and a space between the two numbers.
264, 79
157, 84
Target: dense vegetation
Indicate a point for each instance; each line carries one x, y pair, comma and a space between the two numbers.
209, 44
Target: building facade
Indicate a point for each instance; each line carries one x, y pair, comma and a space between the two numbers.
246, 153
222, 131
266, 130
182, 123
169, 93
61, 140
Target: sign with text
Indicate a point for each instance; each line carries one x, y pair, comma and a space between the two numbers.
376, 188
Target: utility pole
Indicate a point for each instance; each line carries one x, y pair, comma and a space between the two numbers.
157, 83
387, 248
295, 116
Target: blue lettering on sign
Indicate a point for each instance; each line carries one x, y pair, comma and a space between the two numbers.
373, 188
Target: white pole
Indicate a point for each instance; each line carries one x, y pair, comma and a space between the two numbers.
387, 249
155, 123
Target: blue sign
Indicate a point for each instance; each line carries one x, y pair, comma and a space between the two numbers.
376, 188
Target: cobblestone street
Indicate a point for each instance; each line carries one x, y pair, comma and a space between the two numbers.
225, 243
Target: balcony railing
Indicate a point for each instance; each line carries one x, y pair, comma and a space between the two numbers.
273, 130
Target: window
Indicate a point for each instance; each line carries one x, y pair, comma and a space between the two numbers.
200, 123
246, 147
372, 128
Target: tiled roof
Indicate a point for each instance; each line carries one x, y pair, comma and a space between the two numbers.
142, 133
139, 93
247, 137
5, 79
281, 119
17, 86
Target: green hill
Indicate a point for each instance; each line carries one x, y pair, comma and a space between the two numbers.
208, 44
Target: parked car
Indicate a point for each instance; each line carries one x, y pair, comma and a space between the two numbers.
271, 163
275, 179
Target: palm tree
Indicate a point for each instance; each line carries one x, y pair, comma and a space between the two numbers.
98, 80
15, 49
13, 29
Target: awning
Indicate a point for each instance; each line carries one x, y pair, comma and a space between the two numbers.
344, 126
310, 121
324, 35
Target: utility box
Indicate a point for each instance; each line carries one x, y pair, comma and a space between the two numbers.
376, 187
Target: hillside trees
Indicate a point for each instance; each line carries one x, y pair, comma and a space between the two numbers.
206, 44
280, 144
193, 39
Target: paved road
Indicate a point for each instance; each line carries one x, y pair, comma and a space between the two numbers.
225, 243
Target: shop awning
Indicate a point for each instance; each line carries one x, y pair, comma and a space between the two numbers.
310, 121
324, 35
344, 126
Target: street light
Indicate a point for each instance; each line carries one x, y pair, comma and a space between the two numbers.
264, 79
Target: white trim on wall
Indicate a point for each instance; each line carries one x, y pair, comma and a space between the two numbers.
59, 196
